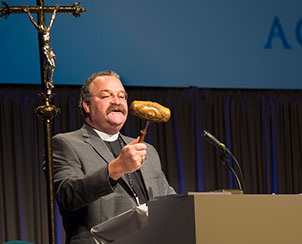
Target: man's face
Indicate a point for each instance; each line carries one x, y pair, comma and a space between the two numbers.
107, 107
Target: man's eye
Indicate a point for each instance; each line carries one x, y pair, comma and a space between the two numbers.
105, 96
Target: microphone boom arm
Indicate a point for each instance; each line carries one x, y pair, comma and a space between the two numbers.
224, 153
224, 158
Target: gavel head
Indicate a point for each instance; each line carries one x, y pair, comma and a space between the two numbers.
150, 111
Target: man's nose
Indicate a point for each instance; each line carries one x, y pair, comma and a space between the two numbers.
115, 99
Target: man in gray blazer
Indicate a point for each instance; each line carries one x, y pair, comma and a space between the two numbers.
99, 173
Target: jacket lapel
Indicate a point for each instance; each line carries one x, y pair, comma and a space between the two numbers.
93, 139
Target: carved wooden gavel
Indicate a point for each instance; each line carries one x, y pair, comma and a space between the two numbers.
149, 112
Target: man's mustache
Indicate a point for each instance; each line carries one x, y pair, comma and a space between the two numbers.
116, 107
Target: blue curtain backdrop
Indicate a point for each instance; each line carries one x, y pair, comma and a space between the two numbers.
262, 128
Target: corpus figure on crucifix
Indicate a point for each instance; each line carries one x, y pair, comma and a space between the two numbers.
49, 56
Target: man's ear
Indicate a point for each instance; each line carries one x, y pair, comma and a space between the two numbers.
86, 106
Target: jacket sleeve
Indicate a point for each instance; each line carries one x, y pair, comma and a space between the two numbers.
74, 187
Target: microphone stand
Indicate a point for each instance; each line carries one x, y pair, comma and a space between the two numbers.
224, 152
224, 157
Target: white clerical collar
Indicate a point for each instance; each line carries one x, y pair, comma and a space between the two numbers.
107, 137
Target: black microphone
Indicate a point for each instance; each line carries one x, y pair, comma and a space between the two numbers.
214, 141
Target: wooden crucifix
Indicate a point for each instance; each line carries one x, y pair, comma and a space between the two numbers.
47, 66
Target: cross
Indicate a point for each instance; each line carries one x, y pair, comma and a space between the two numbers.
47, 66
47, 56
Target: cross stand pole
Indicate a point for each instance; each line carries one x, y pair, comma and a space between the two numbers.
46, 111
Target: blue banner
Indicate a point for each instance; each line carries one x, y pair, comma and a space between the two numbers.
171, 43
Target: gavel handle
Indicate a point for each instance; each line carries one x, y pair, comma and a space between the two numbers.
143, 132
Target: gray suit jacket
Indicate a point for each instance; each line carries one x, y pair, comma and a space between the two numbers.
83, 189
